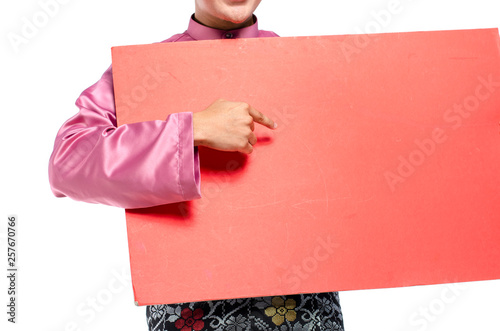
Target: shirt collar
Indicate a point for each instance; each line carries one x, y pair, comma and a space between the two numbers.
199, 31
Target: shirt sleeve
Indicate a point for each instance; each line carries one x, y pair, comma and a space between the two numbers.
135, 165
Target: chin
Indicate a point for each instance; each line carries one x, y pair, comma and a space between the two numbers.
238, 11
229, 11
237, 17
237, 20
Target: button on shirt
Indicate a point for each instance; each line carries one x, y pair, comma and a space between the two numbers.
197, 31
135, 165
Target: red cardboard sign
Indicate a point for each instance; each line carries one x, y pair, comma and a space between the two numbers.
383, 171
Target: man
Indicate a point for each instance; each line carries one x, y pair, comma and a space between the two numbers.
96, 161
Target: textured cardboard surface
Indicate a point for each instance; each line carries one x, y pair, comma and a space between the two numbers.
383, 171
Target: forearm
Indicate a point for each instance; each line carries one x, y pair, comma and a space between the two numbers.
133, 166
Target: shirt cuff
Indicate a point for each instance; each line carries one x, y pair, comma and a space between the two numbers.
189, 161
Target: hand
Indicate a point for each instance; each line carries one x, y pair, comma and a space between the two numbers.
228, 126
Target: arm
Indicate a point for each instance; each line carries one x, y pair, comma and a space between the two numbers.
133, 166
142, 164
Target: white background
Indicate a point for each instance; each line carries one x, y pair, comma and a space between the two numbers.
71, 252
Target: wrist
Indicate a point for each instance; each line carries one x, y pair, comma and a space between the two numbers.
198, 133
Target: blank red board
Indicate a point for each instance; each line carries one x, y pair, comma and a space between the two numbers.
383, 171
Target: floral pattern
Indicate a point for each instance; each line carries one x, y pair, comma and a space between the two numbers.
157, 311
281, 309
190, 320
311, 312
238, 323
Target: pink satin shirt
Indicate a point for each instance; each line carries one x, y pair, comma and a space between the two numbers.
135, 165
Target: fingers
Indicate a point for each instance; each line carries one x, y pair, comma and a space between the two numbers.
261, 118
230, 126
252, 139
247, 149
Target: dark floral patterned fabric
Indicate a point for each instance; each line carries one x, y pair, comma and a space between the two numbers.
318, 312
